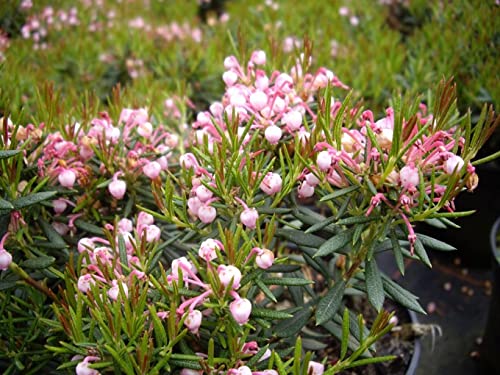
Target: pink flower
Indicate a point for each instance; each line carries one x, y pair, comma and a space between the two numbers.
203, 193
258, 100
249, 217
265, 258
312, 180
144, 219
228, 273
208, 249
240, 310
117, 188
250, 347
230, 78
83, 367
188, 371
194, 205
293, 120
242, 370
59, 205
145, 129
5, 259
258, 57
84, 283
125, 225
231, 62
315, 368
152, 169
384, 138
85, 244
153, 233
193, 321
453, 164
305, 190
409, 177
324, 160
67, 178
114, 291
183, 264
206, 213
273, 134
271, 184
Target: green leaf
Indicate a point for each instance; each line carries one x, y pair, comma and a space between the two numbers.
335, 243
269, 294
345, 334
88, 227
398, 254
287, 281
367, 361
284, 268
421, 253
5, 154
401, 295
257, 356
122, 250
339, 193
336, 330
357, 220
300, 238
436, 223
7, 284
5, 205
39, 263
32, 199
258, 312
292, 326
434, 244
329, 304
374, 286
55, 239
320, 225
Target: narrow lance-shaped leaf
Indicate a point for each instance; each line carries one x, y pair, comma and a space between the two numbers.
374, 285
300, 238
292, 326
339, 193
434, 244
5, 205
39, 262
330, 303
270, 314
398, 254
335, 243
421, 253
402, 296
5, 154
345, 334
32, 199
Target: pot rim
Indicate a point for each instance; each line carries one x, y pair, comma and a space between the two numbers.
493, 239
415, 358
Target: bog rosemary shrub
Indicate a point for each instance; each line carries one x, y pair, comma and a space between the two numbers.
217, 246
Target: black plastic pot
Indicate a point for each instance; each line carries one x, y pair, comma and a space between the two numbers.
415, 359
489, 360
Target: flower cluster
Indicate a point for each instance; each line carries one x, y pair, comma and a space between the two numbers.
4, 44
104, 154
39, 25
275, 104
102, 262
427, 163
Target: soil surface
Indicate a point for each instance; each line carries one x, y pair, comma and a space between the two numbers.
456, 297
